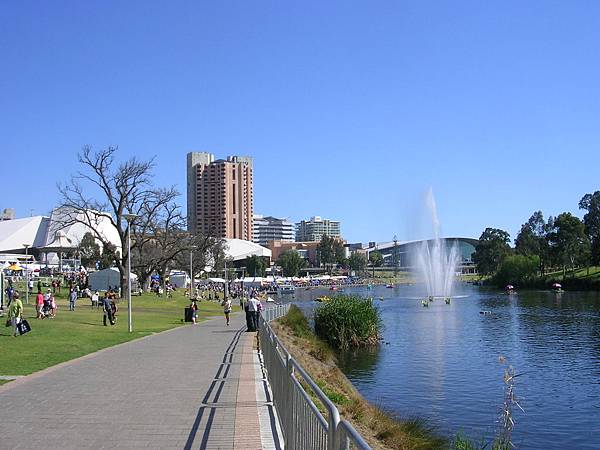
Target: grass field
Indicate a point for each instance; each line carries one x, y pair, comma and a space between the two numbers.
76, 333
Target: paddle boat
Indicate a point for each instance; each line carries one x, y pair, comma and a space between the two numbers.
510, 289
425, 303
557, 287
447, 300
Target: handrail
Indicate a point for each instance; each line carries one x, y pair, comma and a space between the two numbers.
304, 426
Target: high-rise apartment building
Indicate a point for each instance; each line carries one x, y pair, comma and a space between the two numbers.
219, 197
270, 229
314, 229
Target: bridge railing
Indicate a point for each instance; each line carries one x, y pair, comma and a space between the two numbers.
305, 426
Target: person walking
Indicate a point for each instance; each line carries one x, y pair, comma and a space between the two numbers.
226, 309
15, 313
108, 311
194, 308
39, 304
72, 299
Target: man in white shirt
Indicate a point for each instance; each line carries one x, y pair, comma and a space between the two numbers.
252, 314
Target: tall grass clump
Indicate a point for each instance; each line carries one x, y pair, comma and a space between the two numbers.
348, 321
296, 321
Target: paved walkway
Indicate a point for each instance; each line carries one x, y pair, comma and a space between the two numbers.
193, 387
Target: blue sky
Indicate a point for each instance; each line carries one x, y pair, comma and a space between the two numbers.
352, 110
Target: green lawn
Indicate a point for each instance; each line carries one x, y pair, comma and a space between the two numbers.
76, 333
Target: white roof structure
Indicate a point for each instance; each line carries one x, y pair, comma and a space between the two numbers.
48, 234
238, 249
75, 232
17, 232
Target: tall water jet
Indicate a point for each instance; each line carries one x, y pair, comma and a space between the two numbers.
434, 260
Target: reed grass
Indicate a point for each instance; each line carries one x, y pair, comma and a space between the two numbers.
348, 321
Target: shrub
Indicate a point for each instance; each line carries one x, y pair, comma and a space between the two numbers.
348, 321
297, 322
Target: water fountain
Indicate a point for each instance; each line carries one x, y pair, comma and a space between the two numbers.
434, 260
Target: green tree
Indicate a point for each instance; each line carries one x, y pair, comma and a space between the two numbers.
591, 220
291, 262
256, 266
89, 250
517, 269
330, 251
492, 248
109, 253
357, 261
569, 244
376, 260
532, 240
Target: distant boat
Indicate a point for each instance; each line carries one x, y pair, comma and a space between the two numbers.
285, 289
557, 287
390, 286
270, 300
425, 303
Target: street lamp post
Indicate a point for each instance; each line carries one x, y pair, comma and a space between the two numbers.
129, 218
192, 248
26, 273
225, 284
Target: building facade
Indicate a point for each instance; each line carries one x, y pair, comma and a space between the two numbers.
267, 228
313, 230
307, 250
220, 196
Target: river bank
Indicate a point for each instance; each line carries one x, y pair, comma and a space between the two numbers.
381, 429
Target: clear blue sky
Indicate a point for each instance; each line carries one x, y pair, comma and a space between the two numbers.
350, 109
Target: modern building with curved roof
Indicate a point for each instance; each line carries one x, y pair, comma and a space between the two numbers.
400, 253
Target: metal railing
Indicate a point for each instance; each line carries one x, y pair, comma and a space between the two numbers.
304, 426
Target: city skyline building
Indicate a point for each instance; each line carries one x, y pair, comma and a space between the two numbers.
269, 228
220, 195
314, 229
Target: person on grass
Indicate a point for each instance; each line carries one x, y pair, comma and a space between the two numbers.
15, 313
39, 304
72, 299
108, 310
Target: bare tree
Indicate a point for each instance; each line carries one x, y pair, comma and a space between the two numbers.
120, 188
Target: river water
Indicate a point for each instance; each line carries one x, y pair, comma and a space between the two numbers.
442, 363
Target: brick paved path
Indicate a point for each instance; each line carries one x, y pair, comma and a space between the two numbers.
192, 387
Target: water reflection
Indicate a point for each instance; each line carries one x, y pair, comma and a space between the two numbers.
441, 362
359, 363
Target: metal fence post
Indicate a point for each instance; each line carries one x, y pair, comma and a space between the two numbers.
290, 402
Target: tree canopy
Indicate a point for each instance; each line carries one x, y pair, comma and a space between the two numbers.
376, 260
569, 244
330, 251
493, 246
591, 220
291, 262
357, 261
256, 266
